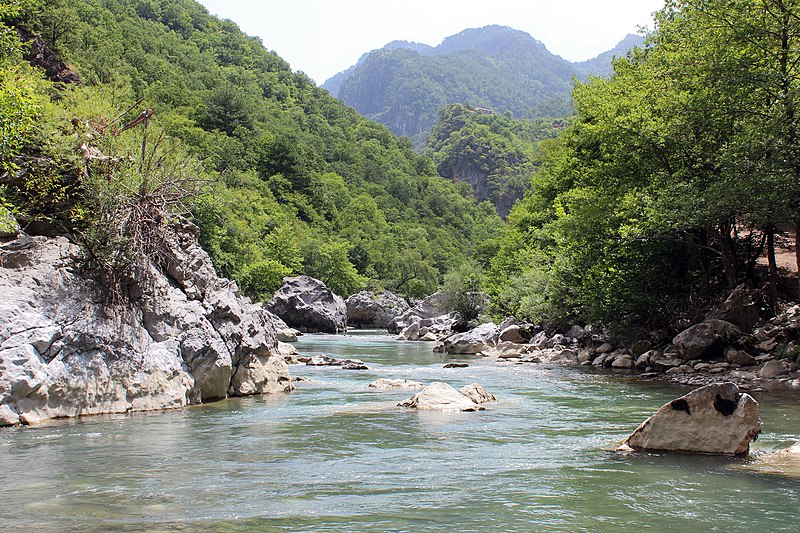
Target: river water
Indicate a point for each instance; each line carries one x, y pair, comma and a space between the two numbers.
337, 456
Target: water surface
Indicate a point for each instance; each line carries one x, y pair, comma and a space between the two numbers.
338, 456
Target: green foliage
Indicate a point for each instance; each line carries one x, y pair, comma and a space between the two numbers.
463, 291
303, 184
262, 279
495, 154
656, 197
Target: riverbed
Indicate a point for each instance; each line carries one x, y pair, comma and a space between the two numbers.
337, 456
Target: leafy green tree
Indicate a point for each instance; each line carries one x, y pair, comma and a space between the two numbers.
463, 291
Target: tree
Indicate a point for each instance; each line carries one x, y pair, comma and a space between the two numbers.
463, 291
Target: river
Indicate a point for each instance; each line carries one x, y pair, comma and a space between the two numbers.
337, 456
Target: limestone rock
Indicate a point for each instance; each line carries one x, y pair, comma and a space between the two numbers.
282, 331
477, 393
368, 310
740, 357
703, 339
739, 308
515, 334
773, 369
188, 336
395, 384
307, 304
440, 396
715, 419
623, 362
430, 307
474, 341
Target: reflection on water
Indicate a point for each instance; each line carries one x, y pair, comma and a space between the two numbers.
338, 456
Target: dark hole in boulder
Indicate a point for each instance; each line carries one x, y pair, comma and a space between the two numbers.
681, 405
724, 406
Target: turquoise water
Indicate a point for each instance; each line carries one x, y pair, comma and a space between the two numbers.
337, 456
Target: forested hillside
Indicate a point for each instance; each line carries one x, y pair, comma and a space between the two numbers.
673, 180
495, 67
286, 179
495, 154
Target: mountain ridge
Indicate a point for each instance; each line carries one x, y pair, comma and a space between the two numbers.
404, 84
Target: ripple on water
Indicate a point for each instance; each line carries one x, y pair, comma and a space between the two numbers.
337, 456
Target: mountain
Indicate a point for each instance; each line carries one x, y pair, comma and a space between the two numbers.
601, 65
494, 67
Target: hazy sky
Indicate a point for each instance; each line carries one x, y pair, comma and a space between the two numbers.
323, 37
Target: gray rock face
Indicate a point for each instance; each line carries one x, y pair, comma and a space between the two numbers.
368, 310
430, 307
715, 419
440, 396
739, 308
188, 336
699, 340
477, 340
307, 304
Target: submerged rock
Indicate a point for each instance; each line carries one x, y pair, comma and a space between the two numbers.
186, 336
715, 419
308, 305
395, 384
440, 396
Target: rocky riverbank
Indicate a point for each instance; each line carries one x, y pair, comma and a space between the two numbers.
185, 336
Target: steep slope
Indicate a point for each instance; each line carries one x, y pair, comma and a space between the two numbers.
302, 183
493, 67
494, 154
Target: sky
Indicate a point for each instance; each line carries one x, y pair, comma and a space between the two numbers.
324, 37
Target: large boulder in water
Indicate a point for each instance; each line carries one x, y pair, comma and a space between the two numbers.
430, 307
440, 396
705, 339
368, 310
477, 340
309, 305
715, 419
184, 336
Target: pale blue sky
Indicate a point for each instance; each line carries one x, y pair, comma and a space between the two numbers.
323, 37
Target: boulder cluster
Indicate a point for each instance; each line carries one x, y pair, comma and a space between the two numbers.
727, 346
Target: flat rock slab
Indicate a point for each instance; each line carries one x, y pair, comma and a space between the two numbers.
715, 419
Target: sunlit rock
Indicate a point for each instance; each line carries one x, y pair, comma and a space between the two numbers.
440, 396
715, 419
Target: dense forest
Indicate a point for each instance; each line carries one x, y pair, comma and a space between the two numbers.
281, 177
495, 154
673, 178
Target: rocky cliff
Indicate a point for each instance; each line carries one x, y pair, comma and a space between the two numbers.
186, 335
